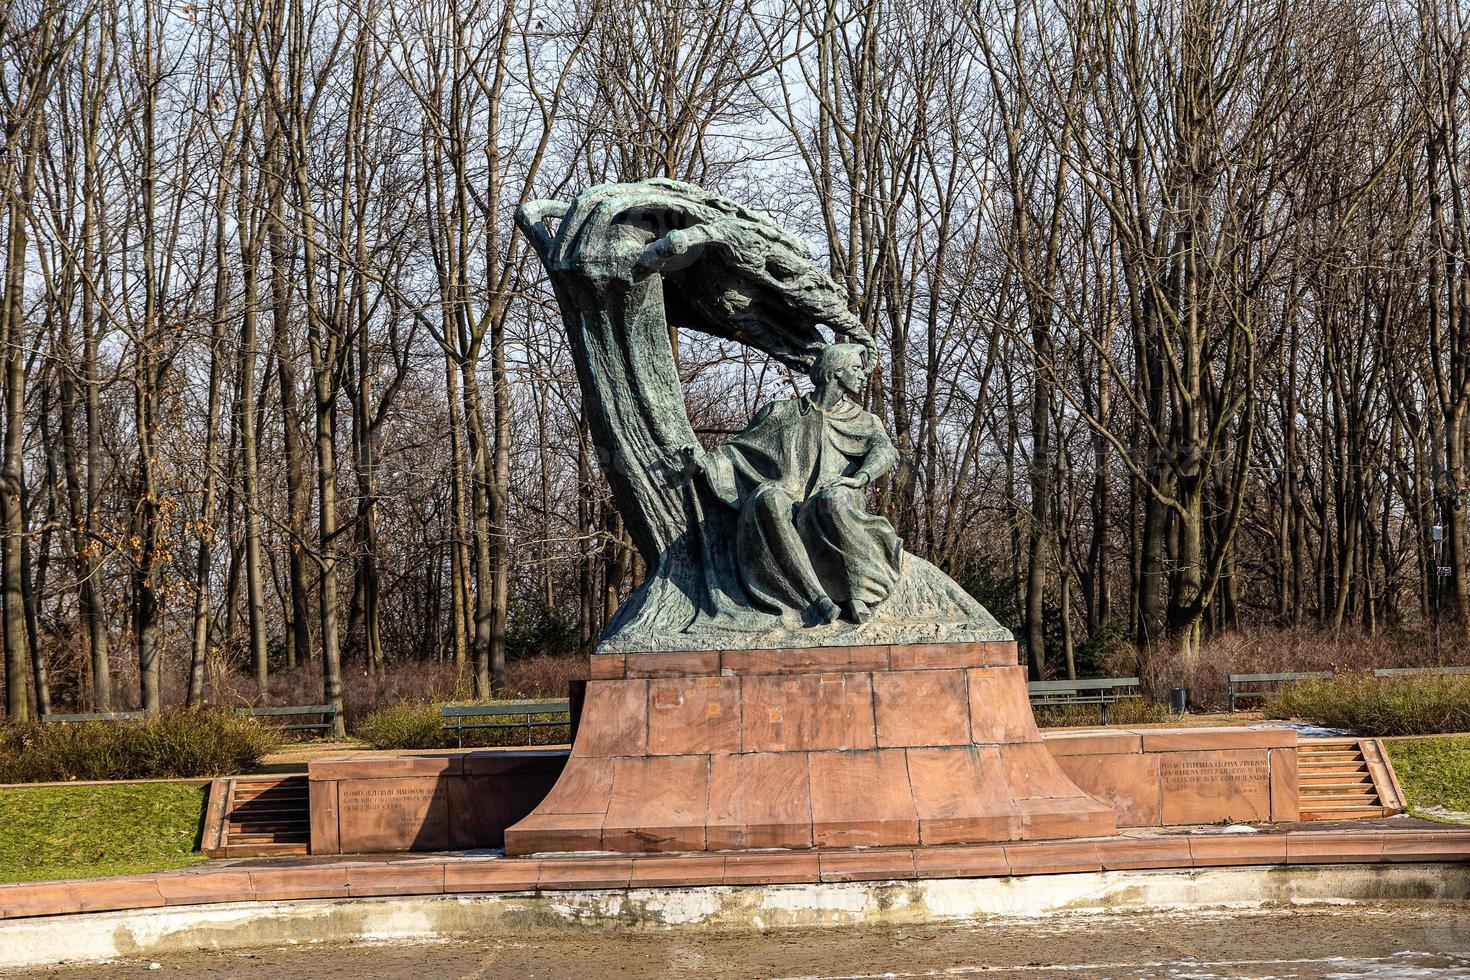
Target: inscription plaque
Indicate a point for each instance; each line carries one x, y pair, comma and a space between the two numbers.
1205, 787
384, 814
1179, 775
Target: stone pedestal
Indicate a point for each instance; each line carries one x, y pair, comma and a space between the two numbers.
861, 746
428, 802
1163, 777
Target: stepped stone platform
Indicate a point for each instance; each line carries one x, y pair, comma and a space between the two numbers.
291, 879
820, 747
1175, 776
1153, 777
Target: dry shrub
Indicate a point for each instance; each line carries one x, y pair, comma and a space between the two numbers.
1128, 711
406, 725
175, 744
1259, 650
1298, 650
419, 725
1415, 704
424, 683
543, 676
229, 682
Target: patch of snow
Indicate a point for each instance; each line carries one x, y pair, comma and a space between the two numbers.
1304, 729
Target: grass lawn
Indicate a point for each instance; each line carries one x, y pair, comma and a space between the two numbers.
1434, 772
90, 831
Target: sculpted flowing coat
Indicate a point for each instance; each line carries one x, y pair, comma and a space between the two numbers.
797, 537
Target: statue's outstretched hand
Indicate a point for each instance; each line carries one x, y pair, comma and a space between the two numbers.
681, 463
852, 482
692, 460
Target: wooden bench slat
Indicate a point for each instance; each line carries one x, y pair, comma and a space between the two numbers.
1101, 691
1236, 692
505, 708
1407, 671
306, 709
1084, 684
327, 713
1287, 676
460, 718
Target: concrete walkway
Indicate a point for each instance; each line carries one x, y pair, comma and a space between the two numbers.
1378, 940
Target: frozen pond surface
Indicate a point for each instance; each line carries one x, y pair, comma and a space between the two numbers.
1322, 943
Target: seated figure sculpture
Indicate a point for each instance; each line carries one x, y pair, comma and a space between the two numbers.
764, 542
796, 475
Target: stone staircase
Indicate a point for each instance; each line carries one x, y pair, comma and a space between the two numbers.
1346, 779
257, 816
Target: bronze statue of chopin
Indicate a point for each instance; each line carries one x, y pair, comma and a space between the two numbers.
764, 541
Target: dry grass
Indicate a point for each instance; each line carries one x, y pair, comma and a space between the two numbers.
540, 676
176, 744
1129, 711
419, 725
1258, 650
1423, 704
1263, 651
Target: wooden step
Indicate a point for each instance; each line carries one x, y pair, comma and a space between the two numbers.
270, 848
272, 799
1319, 768
252, 816
1327, 782
275, 827
289, 788
1345, 813
267, 827
239, 839
285, 792
1345, 779
252, 812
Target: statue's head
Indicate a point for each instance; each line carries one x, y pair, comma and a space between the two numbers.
842, 363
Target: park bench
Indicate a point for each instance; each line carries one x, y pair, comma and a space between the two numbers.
325, 712
1407, 671
1261, 685
1101, 691
96, 716
461, 718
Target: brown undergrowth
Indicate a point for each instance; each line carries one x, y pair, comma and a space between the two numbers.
1261, 651
232, 686
178, 743
1424, 704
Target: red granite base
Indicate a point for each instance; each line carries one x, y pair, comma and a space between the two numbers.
1176, 776
425, 802
276, 880
829, 747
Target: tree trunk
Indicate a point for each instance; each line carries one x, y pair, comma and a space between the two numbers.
246, 424
298, 499
204, 560
12, 476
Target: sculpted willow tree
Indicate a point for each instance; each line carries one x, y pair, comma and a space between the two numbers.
763, 541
